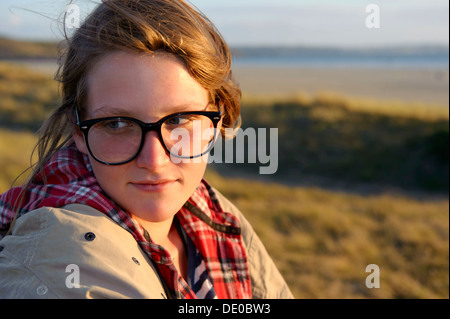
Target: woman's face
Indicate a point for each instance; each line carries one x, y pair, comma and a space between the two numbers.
147, 88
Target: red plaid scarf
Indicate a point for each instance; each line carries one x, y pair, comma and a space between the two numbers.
215, 233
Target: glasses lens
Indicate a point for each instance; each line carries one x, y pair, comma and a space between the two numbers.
115, 141
188, 135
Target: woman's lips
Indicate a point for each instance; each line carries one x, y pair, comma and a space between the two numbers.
154, 186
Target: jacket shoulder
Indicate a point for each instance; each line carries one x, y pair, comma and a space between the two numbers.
74, 252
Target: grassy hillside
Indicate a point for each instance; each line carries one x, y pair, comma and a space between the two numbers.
15, 152
27, 97
354, 142
14, 49
322, 241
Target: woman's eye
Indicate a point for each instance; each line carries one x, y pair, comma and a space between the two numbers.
115, 125
178, 120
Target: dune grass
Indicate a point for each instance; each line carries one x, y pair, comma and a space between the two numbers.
15, 49
15, 156
353, 141
322, 241
395, 108
27, 97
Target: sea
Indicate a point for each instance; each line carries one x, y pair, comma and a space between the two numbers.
431, 57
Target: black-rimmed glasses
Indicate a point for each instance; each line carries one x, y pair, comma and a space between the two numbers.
119, 140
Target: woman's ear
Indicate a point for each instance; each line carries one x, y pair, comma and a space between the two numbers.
80, 141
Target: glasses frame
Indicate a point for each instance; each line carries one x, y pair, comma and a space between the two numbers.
85, 126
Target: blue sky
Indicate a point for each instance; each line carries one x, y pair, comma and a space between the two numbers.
271, 22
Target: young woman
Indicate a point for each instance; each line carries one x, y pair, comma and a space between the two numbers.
117, 206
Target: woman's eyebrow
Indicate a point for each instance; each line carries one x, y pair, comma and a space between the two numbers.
188, 107
110, 111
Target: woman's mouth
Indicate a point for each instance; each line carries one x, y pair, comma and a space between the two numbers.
154, 186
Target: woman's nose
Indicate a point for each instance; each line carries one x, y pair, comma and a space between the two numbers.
153, 154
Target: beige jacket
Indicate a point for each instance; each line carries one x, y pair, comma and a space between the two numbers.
78, 252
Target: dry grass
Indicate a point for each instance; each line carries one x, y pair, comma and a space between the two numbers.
394, 108
355, 141
15, 152
15, 49
27, 97
322, 241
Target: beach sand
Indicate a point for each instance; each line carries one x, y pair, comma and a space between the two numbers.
404, 85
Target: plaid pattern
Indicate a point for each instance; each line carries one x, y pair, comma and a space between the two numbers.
198, 278
216, 234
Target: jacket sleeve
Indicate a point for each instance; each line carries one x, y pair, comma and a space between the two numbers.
267, 281
74, 252
16, 281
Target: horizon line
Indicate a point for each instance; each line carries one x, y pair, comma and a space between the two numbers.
365, 46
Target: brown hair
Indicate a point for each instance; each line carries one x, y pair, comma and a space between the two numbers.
140, 26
